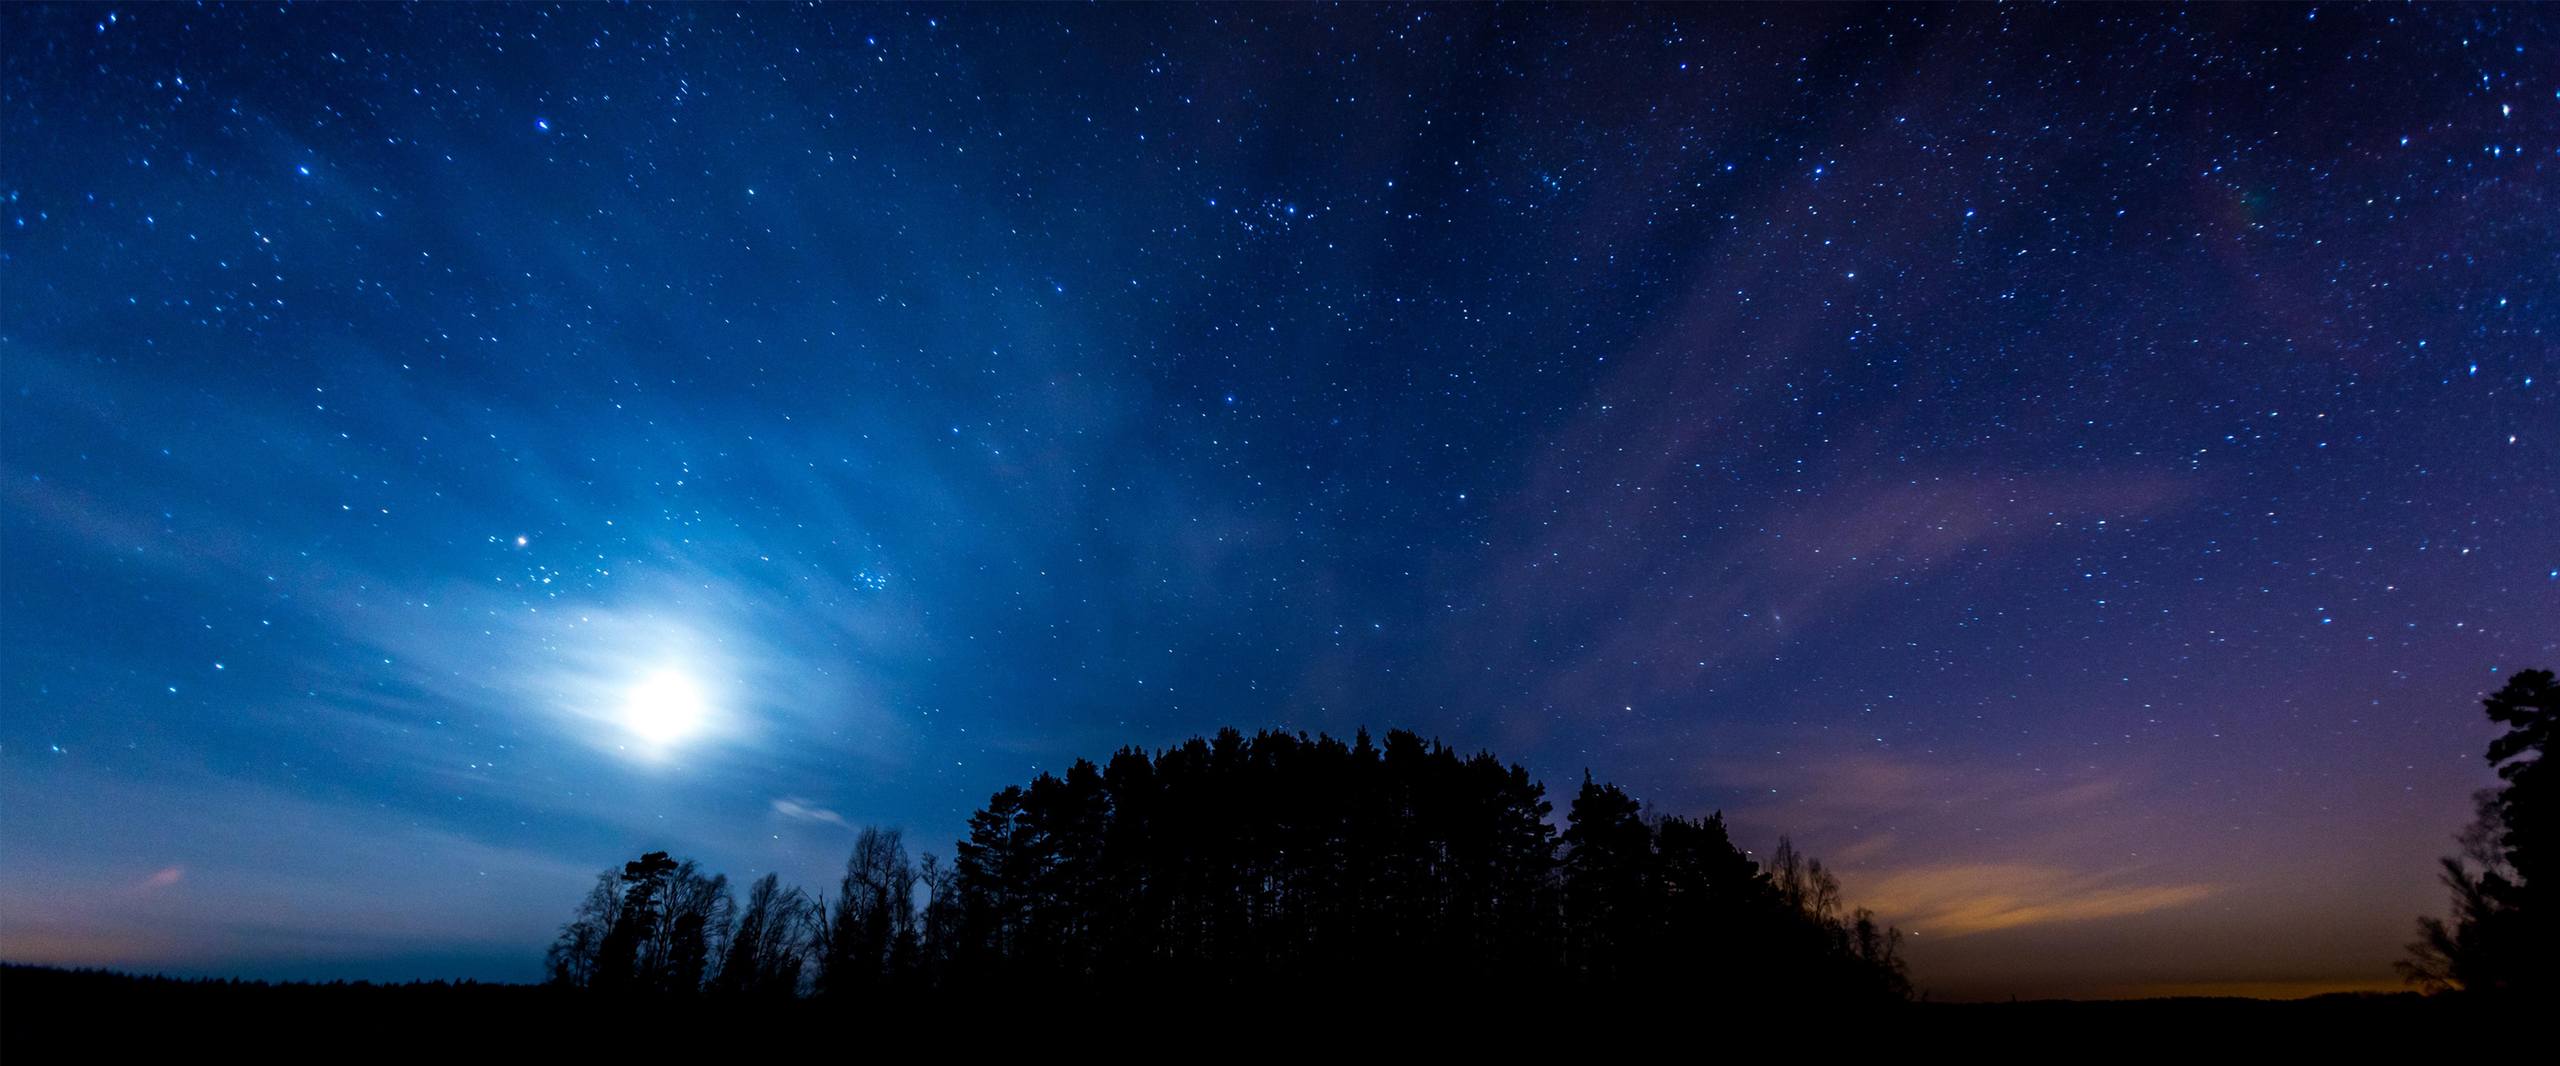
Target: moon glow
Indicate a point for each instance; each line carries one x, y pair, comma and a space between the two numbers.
665, 707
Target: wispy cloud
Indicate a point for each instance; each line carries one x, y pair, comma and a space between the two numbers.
800, 810
1932, 843
1647, 606
1824, 789
1965, 899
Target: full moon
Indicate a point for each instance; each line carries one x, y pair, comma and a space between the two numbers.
664, 707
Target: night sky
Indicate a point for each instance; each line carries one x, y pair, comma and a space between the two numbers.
2076, 470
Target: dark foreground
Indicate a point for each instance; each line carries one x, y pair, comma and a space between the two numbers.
50, 1015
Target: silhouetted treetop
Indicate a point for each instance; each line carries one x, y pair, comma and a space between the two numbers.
2504, 935
1275, 860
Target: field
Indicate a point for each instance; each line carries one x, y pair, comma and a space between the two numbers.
53, 1015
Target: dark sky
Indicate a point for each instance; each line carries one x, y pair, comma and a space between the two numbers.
2075, 469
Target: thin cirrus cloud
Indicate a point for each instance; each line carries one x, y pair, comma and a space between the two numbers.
1913, 837
1841, 794
800, 810
1745, 592
1966, 899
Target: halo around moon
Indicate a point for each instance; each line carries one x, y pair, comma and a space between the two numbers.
664, 707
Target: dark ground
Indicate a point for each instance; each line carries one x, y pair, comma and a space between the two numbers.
53, 1015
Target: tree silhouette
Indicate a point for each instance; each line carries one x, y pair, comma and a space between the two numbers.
574, 957
2504, 930
771, 942
1609, 890
654, 927
874, 910
620, 958
1276, 861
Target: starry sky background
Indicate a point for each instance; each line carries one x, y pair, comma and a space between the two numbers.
2075, 469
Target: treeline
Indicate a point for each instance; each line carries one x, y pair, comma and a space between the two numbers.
2502, 941
1275, 860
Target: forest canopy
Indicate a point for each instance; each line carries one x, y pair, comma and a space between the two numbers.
1276, 860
